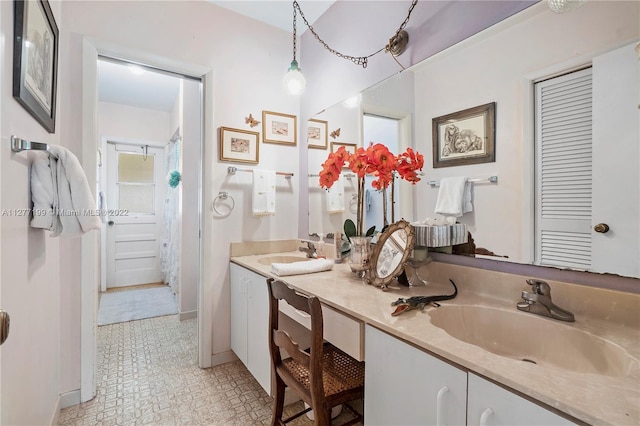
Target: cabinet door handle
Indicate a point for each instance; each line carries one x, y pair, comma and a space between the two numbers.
485, 415
441, 393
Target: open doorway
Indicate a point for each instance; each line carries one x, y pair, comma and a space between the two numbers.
384, 130
148, 124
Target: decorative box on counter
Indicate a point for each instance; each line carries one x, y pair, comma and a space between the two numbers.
440, 235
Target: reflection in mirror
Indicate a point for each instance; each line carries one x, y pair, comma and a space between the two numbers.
390, 253
505, 215
382, 114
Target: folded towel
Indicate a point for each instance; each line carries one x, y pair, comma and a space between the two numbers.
304, 267
264, 193
451, 196
335, 196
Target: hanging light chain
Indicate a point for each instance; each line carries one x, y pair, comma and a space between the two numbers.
358, 60
294, 31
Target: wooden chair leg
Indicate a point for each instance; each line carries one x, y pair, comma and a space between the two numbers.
278, 403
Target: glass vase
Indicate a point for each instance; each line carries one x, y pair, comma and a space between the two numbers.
359, 255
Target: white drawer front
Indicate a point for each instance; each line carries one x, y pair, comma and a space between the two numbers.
342, 331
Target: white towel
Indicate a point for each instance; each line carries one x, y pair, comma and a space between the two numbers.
102, 207
451, 196
42, 192
304, 267
335, 197
264, 193
64, 191
77, 212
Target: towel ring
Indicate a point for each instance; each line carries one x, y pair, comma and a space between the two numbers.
222, 196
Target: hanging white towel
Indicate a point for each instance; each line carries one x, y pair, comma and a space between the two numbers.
102, 207
76, 207
335, 197
451, 196
61, 194
264, 193
467, 206
42, 192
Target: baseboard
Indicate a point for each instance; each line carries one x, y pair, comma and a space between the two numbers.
188, 315
69, 399
53, 419
223, 358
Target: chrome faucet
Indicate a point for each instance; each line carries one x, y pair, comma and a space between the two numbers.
310, 249
539, 302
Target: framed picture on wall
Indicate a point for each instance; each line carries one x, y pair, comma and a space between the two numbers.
239, 146
317, 134
350, 147
465, 137
35, 60
279, 128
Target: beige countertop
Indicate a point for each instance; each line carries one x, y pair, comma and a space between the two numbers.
591, 398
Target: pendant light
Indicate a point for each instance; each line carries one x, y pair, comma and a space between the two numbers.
294, 81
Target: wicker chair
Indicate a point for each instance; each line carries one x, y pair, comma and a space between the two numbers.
323, 376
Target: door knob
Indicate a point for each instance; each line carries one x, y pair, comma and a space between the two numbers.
4, 326
110, 223
601, 228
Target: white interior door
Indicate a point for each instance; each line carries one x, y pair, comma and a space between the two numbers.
135, 190
616, 156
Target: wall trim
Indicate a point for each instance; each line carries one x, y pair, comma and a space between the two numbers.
69, 399
223, 358
188, 315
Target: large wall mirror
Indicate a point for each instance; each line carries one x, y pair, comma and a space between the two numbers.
512, 64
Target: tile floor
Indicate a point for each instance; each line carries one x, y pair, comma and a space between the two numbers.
148, 375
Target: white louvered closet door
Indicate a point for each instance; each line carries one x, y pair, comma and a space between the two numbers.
564, 170
588, 166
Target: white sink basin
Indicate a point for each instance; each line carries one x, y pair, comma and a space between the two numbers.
532, 338
268, 260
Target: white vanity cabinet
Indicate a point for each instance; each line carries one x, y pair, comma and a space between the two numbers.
250, 322
490, 404
407, 386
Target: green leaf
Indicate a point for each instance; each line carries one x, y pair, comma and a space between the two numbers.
349, 229
370, 231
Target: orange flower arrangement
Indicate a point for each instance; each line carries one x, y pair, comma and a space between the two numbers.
376, 160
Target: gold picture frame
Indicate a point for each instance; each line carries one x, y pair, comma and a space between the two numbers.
350, 147
239, 146
279, 128
317, 134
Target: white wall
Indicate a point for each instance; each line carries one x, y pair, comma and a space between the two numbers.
497, 68
30, 264
124, 121
247, 60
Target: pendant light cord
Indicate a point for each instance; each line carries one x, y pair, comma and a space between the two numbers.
358, 60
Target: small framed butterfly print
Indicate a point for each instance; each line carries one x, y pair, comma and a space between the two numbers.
279, 128
317, 134
239, 146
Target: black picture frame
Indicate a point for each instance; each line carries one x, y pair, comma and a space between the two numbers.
465, 137
35, 60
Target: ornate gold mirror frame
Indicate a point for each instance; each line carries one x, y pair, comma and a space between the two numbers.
390, 253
